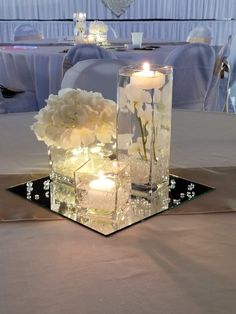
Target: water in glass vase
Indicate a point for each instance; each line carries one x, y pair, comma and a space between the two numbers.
144, 126
65, 162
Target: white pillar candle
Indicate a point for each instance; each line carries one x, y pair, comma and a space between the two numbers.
147, 79
102, 193
102, 184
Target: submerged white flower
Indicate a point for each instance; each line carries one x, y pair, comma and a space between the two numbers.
137, 95
136, 149
146, 114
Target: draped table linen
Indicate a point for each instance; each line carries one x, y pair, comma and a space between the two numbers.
172, 263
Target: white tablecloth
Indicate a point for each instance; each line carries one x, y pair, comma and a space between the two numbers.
199, 139
39, 68
167, 264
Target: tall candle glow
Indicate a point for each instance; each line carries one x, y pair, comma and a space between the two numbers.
147, 79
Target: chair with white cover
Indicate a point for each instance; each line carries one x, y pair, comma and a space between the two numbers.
192, 73
232, 76
82, 52
200, 34
217, 98
27, 31
95, 75
111, 33
2, 104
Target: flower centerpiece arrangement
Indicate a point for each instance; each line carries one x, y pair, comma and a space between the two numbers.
98, 29
75, 124
110, 169
79, 26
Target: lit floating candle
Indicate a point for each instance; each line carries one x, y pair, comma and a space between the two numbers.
101, 193
102, 183
103, 186
147, 79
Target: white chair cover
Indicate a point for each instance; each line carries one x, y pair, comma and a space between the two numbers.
232, 60
82, 52
217, 95
111, 34
2, 104
232, 78
95, 75
200, 34
27, 32
192, 72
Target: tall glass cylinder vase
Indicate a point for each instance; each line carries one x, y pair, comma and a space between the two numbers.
144, 126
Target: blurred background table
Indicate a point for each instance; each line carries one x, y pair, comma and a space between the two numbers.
37, 66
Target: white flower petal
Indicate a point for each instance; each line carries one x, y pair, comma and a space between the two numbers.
74, 117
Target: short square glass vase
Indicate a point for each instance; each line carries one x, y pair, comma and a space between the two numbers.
103, 188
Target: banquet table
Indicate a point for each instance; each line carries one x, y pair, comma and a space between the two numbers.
182, 261
37, 66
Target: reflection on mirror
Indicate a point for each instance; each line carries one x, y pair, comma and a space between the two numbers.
61, 199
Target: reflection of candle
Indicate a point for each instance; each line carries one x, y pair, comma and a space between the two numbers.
147, 79
102, 184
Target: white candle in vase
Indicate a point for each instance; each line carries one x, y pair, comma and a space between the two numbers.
147, 79
101, 194
102, 183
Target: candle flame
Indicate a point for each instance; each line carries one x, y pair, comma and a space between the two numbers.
146, 66
102, 184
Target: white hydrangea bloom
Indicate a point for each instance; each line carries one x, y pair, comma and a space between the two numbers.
75, 118
97, 27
